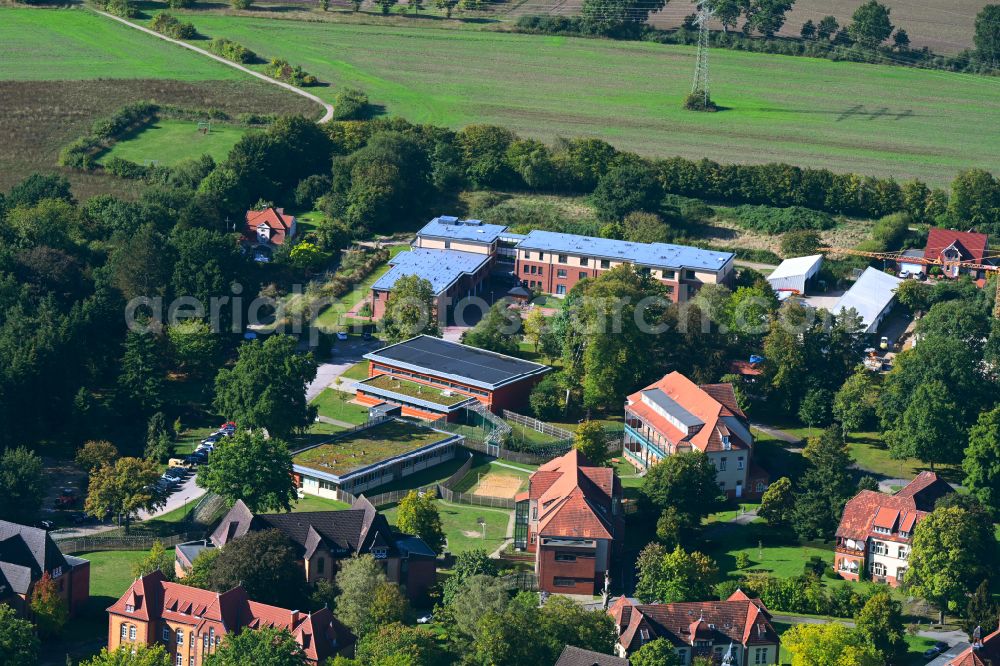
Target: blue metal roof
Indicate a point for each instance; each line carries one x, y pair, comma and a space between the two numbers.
439, 267
655, 255
453, 228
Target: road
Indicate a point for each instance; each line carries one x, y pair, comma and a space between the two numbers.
327, 116
347, 353
188, 493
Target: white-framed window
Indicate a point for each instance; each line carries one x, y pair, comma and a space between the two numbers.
165, 634
180, 660
563, 582
560, 289
129, 608
903, 553
180, 637
760, 655
878, 569
380, 553
191, 660
739, 462
561, 272
131, 632
722, 464
57, 572
447, 245
124, 631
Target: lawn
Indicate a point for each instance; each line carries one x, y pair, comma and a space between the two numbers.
171, 141
845, 116
335, 404
333, 316
367, 447
111, 570
357, 372
416, 390
313, 503
461, 526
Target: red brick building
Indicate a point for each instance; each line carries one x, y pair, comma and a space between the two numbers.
876, 529
571, 518
265, 229
26, 554
432, 378
553, 263
323, 538
191, 623
739, 627
950, 247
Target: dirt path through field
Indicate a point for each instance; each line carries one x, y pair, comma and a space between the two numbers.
327, 116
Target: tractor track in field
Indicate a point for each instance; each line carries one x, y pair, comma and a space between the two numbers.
328, 108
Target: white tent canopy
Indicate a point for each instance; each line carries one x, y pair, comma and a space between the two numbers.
792, 274
871, 296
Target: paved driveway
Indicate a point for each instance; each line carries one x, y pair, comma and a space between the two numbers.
346, 354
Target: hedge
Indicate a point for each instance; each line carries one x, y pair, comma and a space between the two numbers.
231, 50
168, 25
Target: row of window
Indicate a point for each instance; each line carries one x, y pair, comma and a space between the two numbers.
723, 461
879, 569
879, 548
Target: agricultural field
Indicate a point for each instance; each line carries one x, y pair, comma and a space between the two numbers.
944, 26
874, 119
168, 142
65, 68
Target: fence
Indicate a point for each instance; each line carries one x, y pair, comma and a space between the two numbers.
72, 544
536, 425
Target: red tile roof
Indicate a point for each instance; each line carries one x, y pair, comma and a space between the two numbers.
971, 245
153, 598
281, 225
712, 404
869, 509
574, 499
988, 654
739, 619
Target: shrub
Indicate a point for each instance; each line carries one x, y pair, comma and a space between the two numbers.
121, 8
310, 189
280, 69
256, 118
123, 168
180, 4
123, 119
779, 220
351, 104
231, 50
240, 4
168, 25
699, 102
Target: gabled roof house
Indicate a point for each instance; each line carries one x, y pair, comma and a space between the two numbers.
191, 623
740, 627
950, 247
26, 554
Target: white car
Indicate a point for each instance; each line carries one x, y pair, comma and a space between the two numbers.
425, 619
341, 336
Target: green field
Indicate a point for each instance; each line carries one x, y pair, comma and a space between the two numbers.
335, 404
171, 141
461, 527
846, 116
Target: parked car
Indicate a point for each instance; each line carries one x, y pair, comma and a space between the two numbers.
79, 518
205, 447
45, 525
425, 619
342, 336
67, 497
367, 336
884, 343
228, 425
936, 649
179, 462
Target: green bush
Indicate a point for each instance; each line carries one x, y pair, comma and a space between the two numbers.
281, 70
231, 50
123, 168
180, 4
240, 4
351, 104
256, 118
165, 24
772, 220
121, 8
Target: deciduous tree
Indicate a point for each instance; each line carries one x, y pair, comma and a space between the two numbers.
987, 35
251, 468
766, 16
267, 387
268, 645
475, 562
829, 644
626, 188
367, 599
397, 643
669, 577
265, 563
18, 642
777, 505
49, 609
158, 559
418, 514
95, 453
410, 310
497, 331
982, 460
686, 482
880, 625
657, 652
123, 489
870, 24
591, 441
479, 596
143, 655
194, 348
854, 403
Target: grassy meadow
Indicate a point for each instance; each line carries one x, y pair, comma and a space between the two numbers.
846, 116
171, 141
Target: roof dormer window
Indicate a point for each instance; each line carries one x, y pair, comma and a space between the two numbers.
726, 443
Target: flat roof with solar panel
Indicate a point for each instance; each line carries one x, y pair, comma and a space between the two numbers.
457, 362
656, 255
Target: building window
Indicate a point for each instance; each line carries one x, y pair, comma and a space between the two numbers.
902, 553
560, 289
583, 261
320, 565
539, 270
760, 655
900, 574
57, 572
447, 245
722, 464
682, 654
131, 632
565, 557
582, 275
878, 569
166, 634
605, 263
689, 275
739, 462
191, 660
563, 259
204, 643
124, 631
532, 270
180, 637
563, 582
180, 660
526, 268
380, 553
541, 255
561, 273
129, 608
669, 275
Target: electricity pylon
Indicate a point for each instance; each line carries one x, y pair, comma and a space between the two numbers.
700, 85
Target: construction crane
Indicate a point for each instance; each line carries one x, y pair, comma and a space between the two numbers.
947, 266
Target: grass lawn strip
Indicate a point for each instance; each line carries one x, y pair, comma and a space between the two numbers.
336, 404
415, 390
367, 447
460, 523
